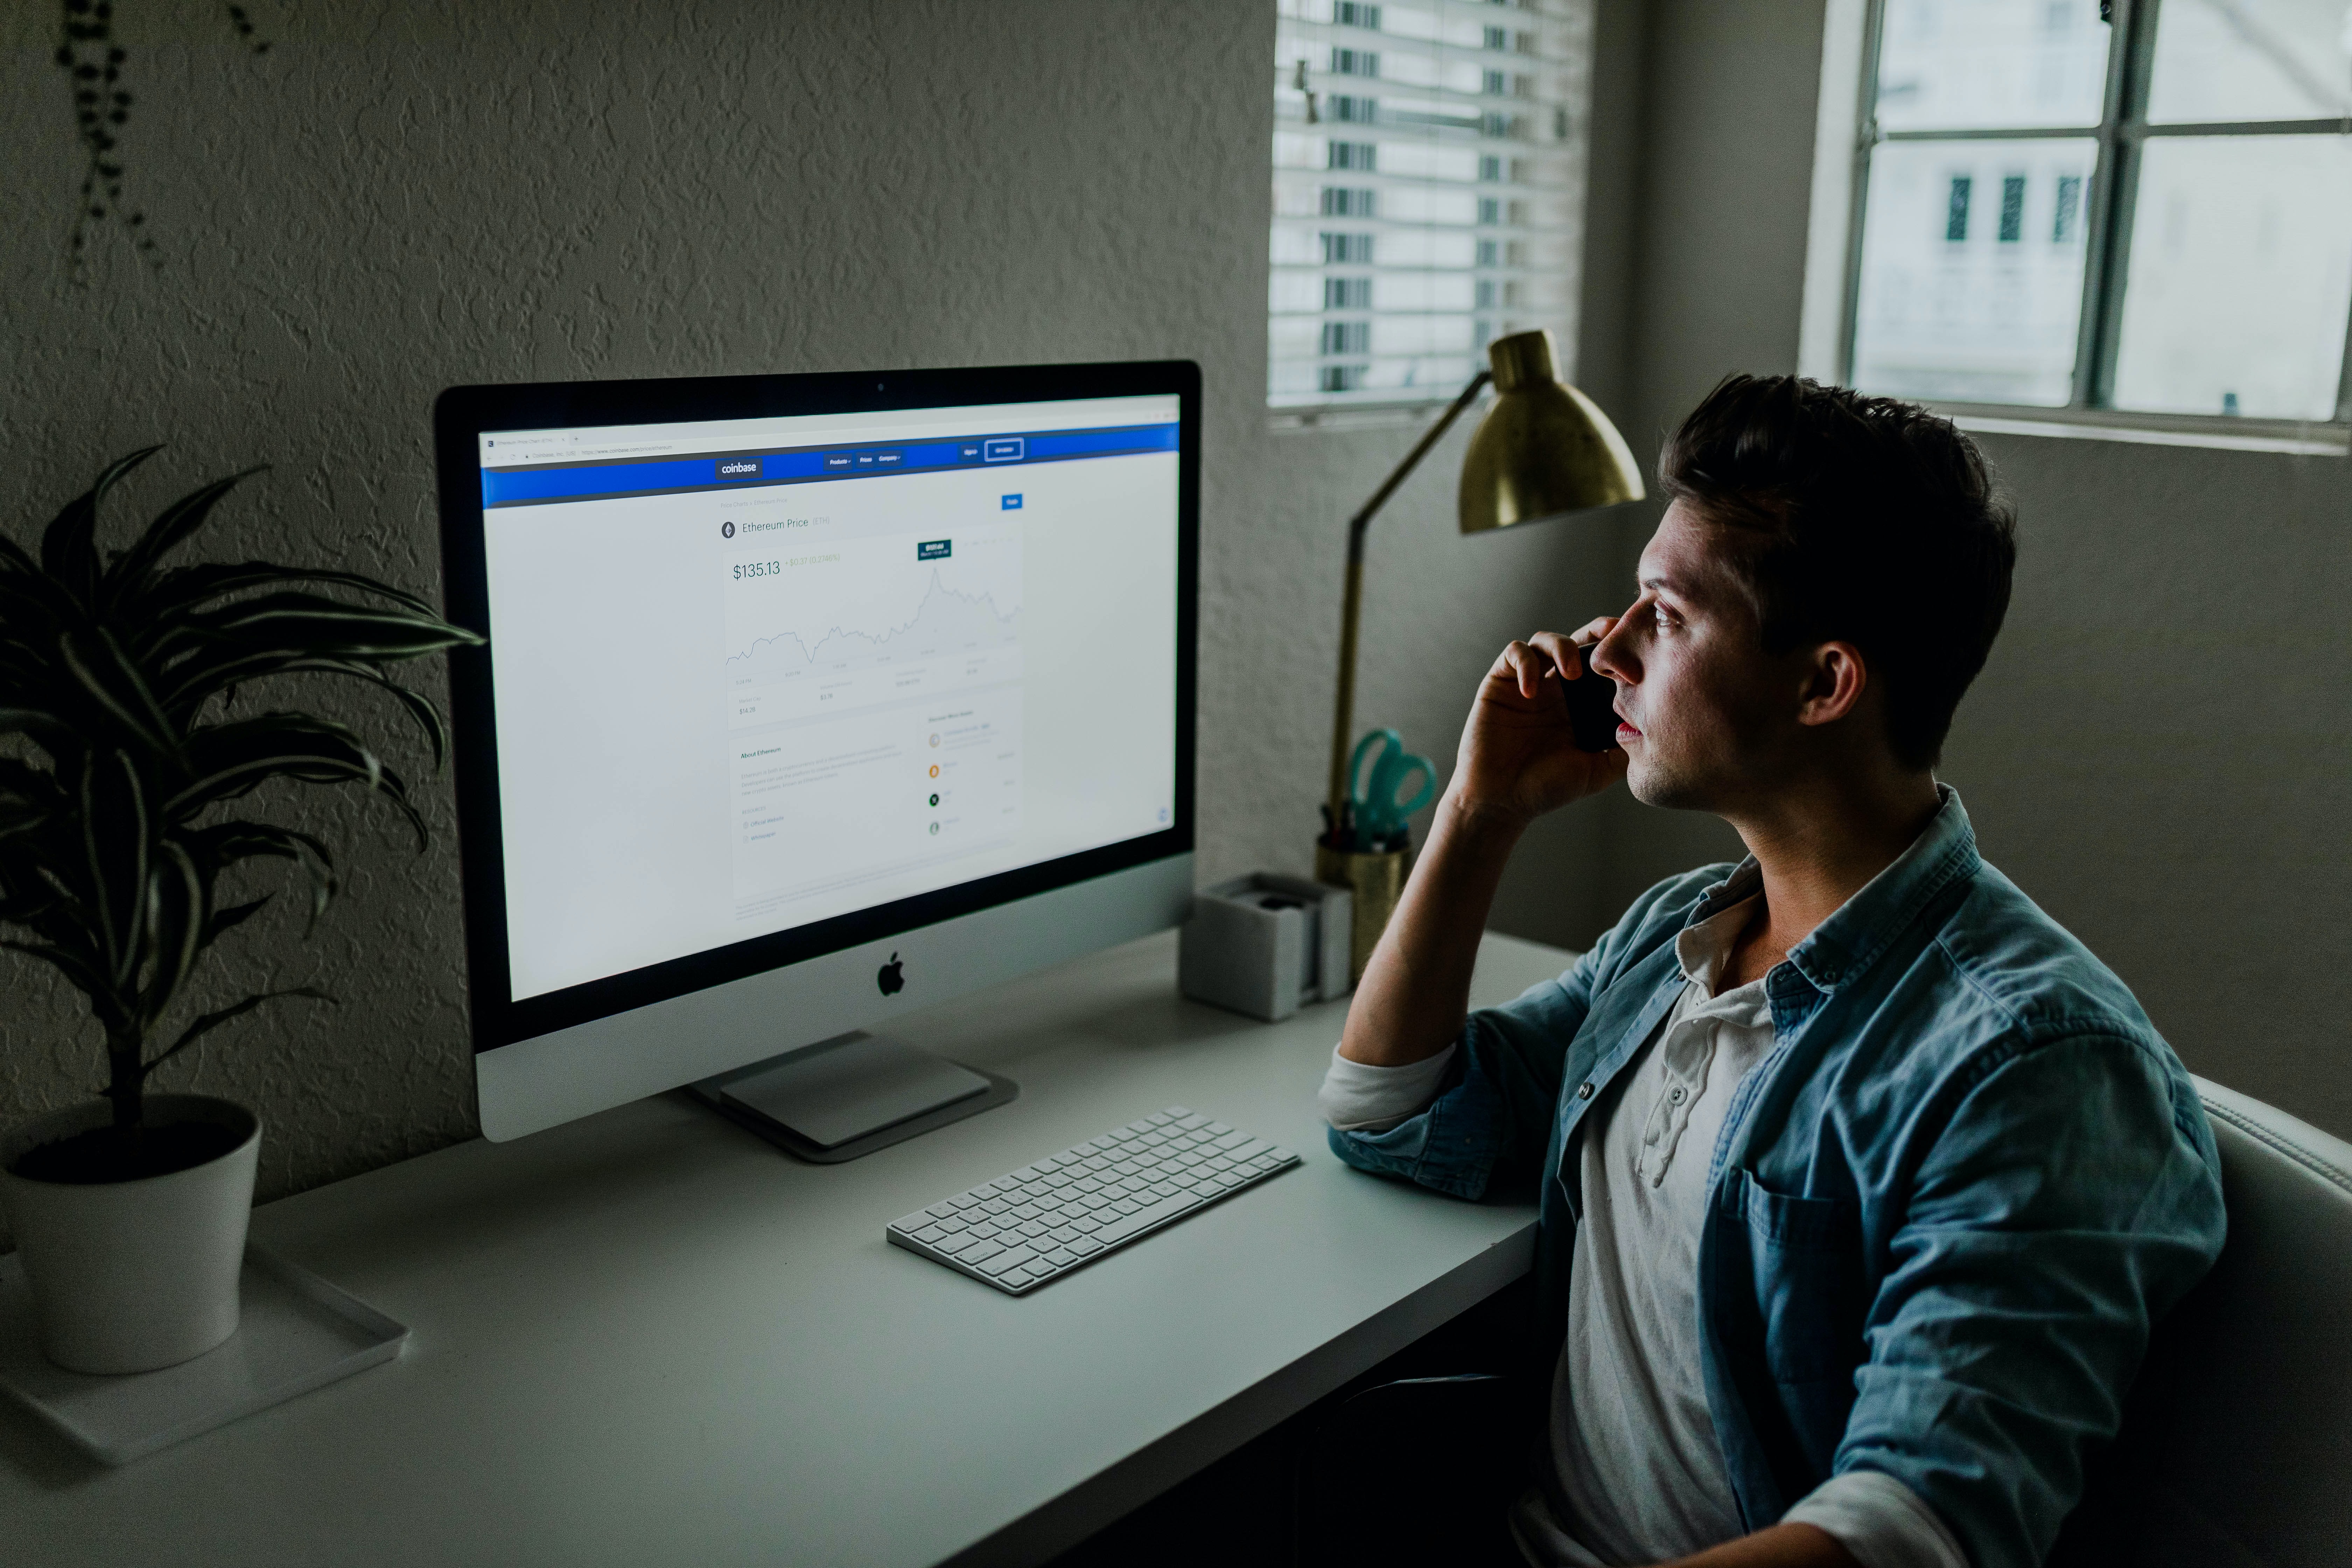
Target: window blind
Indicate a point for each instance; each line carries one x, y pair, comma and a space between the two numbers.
1428, 191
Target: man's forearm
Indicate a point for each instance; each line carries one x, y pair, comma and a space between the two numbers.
1779, 1546
1416, 989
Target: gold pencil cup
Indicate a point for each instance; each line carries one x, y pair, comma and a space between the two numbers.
1377, 882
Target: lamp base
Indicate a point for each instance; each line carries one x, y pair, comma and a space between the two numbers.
1377, 882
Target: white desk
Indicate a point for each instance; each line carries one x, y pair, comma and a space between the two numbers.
647, 1337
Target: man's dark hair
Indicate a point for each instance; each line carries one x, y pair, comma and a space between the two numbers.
1865, 521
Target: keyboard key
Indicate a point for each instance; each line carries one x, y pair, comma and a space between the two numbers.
1016, 1278
979, 1253
1086, 1246
1217, 1127
928, 1235
1144, 1219
1061, 1257
1003, 1260
1192, 1119
912, 1222
1284, 1155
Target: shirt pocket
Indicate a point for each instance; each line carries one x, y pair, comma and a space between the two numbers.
1805, 1256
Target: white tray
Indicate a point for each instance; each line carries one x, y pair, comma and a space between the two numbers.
296, 1333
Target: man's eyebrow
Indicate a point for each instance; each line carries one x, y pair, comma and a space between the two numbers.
1662, 580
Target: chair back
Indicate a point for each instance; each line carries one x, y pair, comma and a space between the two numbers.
2237, 1444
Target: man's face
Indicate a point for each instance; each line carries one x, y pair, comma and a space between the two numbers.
1707, 715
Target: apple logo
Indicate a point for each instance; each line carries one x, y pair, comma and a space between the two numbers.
890, 977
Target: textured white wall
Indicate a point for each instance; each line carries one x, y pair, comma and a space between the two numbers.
2160, 750
404, 194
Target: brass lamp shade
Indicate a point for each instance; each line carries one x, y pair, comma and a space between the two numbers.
1543, 448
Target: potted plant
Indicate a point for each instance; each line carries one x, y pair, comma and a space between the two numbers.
127, 743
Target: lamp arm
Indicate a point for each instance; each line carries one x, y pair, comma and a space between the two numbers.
1352, 605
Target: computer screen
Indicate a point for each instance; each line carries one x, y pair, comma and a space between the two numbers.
768, 681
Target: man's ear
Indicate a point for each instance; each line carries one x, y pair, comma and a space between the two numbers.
1835, 678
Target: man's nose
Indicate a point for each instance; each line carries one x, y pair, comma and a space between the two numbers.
1614, 657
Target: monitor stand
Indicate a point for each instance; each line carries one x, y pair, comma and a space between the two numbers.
850, 1095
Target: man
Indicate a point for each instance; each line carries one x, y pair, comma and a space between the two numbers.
1862, 1182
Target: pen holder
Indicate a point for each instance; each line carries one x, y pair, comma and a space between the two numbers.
1377, 880
1265, 945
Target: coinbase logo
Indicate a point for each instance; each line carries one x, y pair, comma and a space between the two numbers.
739, 467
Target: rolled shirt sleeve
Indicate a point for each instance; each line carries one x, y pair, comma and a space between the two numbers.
1492, 1118
1360, 1097
1881, 1522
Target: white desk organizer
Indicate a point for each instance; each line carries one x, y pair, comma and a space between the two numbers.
1267, 945
296, 1333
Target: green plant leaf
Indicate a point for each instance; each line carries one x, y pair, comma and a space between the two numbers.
231, 916
172, 526
178, 897
115, 838
189, 587
313, 625
115, 684
68, 545
226, 760
217, 678
224, 844
205, 1024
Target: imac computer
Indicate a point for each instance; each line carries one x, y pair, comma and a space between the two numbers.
809, 701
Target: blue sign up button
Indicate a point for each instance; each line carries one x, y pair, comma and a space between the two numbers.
836, 462
1012, 503
934, 549
1005, 450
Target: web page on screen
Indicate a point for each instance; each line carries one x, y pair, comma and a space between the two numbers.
754, 674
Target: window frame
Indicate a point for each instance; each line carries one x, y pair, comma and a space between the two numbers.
2121, 135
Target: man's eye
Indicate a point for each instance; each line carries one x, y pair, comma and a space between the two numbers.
1665, 620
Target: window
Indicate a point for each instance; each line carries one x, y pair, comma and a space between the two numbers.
2140, 205
1414, 219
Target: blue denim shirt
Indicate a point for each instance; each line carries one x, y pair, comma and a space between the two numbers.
1945, 1209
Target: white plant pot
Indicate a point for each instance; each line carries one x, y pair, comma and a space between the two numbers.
132, 1275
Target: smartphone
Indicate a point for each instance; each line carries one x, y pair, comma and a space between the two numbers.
1592, 707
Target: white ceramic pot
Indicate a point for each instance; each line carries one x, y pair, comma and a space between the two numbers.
130, 1276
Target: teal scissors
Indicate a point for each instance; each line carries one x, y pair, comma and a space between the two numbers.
1380, 815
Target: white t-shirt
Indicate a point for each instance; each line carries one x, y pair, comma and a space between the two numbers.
1636, 1472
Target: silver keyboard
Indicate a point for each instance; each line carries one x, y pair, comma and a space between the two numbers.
1068, 1209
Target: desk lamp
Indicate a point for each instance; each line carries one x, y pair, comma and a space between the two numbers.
1543, 449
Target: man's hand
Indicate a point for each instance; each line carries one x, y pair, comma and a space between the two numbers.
1518, 759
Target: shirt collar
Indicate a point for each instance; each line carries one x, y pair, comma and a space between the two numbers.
1851, 940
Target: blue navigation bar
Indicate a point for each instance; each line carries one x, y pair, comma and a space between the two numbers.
588, 481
